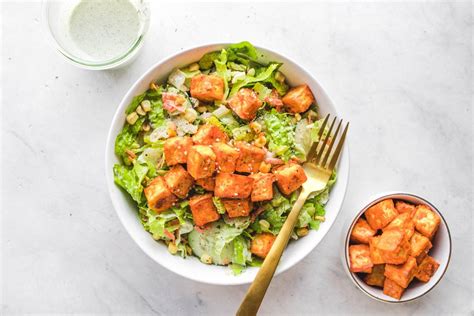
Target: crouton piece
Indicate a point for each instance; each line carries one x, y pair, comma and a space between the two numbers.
402, 274
376, 277
250, 157
237, 207
392, 289
233, 186
362, 232
381, 214
207, 184
403, 222
397, 257
390, 240
226, 157
359, 256
290, 177
159, 197
262, 188
375, 253
403, 207
203, 209
245, 103
419, 244
426, 221
427, 269
298, 99
207, 88
261, 244
201, 162
176, 150
208, 134
179, 181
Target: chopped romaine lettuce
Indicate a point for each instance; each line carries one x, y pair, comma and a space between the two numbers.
303, 140
243, 133
262, 76
127, 140
207, 61
130, 179
218, 204
157, 116
280, 133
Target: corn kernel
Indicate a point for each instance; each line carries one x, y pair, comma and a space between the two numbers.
146, 105
172, 248
265, 167
279, 77
140, 111
264, 224
132, 118
301, 232
256, 127
193, 67
260, 141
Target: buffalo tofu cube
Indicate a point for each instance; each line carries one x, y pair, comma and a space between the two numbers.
399, 256
419, 244
392, 289
298, 99
404, 222
245, 103
426, 221
233, 186
376, 277
176, 150
250, 157
237, 207
381, 214
402, 274
207, 184
391, 240
261, 244
421, 257
290, 177
427, 269
362, 232
158, 196
208, 134
262, 188
359, 256
179, 181
403, 207
201, 162
203, 209
226, 157
376, 255
207, 88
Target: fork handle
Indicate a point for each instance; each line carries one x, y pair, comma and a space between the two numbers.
259, 286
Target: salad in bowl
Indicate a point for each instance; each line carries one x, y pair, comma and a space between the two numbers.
211, 157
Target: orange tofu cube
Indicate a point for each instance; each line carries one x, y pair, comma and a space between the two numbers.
201, 162
207, 184
426, 221
419, 244
362, 232
261, 244
207, 88
233, 186
403, 207
298, 99
392, 289
397, 257
381, 214
402, 274
391, 240
179, 181
427, 269
245, 103
376, 277
208, 134
403, 222
226, 157
421, 257
359, 256
176, 150
158, 196
290, 177
376, 255
203, 209
250, 157
262, 188
237, 207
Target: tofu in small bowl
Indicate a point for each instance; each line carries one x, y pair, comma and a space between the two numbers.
397, 248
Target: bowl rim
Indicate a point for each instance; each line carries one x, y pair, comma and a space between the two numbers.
377, 198
111, 139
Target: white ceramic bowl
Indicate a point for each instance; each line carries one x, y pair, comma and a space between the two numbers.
191, 267
441, 252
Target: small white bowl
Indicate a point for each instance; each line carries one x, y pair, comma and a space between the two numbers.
441, 252
191, 267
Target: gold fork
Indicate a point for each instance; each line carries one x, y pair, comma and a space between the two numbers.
318, 169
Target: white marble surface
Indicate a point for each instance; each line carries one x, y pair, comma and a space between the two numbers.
401, 72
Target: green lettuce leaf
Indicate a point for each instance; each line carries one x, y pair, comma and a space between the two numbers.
130, 179
218, 204
260, 77
157, 116
280, 132
222, 71
241, 251
207, 61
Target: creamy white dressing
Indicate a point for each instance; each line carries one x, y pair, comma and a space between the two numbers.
104, 29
